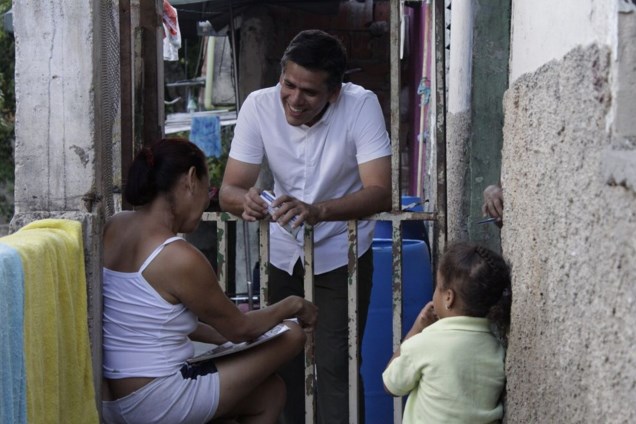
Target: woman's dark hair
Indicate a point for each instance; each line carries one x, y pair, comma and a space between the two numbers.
481, 279
318, 51
156, 168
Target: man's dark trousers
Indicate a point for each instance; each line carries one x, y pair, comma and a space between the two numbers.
331, 340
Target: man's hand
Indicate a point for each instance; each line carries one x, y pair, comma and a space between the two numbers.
254, 207
289, 207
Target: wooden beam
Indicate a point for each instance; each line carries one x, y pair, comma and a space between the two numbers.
152, 80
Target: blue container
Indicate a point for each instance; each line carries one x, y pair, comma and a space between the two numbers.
415, 230
377, 347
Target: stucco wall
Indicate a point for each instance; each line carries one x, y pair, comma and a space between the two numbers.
571, 240
547, 29
67, 90
55, 117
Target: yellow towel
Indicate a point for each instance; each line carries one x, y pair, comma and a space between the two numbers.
56, 344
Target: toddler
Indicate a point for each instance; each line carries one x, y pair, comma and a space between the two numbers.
451, 364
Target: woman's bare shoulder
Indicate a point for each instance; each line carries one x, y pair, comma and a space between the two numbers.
117, 220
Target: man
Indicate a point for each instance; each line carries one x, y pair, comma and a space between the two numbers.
328, 149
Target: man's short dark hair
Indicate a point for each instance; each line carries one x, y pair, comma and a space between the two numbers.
318, 51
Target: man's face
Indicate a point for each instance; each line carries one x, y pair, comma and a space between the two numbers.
304, 94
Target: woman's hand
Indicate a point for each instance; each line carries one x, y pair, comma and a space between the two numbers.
307, 314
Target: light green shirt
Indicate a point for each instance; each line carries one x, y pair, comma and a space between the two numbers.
453, 372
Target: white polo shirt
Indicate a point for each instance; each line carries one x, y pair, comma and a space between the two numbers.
313, 164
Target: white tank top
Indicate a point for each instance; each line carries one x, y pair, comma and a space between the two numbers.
144, 335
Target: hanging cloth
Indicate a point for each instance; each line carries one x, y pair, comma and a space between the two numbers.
171, 32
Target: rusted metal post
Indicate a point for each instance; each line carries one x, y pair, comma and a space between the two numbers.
396, 8
396, 284
440, 225
310, 377
396, 304
263, 260
222, 220
352, 310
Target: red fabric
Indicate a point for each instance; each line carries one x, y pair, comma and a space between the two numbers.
170, 18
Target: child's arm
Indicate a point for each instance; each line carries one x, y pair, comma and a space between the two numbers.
425, 318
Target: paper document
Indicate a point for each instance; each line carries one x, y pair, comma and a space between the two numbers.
228, 348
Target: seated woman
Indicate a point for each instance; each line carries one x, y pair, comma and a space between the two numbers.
160, 293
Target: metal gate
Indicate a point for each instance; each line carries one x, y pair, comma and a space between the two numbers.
436, 216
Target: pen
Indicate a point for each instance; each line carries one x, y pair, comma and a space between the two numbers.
487, 220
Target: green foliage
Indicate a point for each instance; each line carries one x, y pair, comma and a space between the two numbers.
216, 166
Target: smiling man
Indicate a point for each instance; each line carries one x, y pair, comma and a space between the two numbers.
329, 153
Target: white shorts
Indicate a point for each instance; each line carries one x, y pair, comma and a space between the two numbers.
168, 400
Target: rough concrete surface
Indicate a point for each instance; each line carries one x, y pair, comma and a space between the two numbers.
571, 239
55, 120
457, 172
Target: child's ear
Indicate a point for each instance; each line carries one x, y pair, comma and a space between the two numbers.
449, 298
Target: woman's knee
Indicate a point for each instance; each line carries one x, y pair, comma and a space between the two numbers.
269, 398
276, 387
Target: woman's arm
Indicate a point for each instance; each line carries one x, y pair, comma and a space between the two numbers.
207, 334
187, 275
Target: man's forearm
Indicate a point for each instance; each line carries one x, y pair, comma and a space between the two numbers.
366, 202
231, 199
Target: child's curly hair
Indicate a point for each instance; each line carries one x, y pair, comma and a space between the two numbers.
481, 280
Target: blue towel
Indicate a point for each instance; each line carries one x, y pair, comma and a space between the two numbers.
205, 132
12, 371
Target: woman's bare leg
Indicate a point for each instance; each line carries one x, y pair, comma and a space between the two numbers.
250, 392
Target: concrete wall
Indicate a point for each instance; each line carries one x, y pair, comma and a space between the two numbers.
543, 30
570, 214
477, 79
66, 57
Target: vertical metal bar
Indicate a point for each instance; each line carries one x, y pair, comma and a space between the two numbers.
395, 50
237, 100
248, 264
396, 21
125, 82
310, 379
221, 252
396, 285
440, 225
352, 310
263, 261
150, 22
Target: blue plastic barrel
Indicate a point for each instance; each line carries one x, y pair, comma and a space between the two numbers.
415, 230
377, 347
